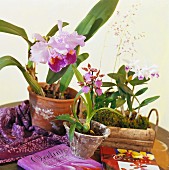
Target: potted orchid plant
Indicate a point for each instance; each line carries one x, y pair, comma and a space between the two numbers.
123, 93
60, 50
85, 135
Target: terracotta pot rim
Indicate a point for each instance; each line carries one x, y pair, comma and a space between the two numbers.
101, 136
49, 99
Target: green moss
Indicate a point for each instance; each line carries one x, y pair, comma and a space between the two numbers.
113, 119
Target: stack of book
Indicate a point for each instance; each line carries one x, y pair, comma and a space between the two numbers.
60, 157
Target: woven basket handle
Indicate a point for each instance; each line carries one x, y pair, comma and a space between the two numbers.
157, 118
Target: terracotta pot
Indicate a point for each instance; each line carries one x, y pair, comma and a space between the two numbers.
84, 146
44, 110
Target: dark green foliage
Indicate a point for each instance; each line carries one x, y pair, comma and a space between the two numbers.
124, 91
109, 99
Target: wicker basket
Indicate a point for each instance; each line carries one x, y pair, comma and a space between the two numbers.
134, 139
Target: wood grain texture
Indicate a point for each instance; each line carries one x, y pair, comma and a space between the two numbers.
126, 133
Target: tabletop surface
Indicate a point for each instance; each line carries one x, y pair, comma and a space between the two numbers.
160, 149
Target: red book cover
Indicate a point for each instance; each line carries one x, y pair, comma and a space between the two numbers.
121, 159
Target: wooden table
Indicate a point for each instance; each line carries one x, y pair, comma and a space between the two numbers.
160, 149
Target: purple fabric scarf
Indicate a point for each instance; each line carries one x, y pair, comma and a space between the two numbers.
19, 138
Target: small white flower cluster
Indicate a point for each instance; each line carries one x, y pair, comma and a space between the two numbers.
141, 72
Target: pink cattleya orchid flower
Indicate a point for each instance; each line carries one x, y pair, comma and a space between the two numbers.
38, 37
70, 58
66, 40
40, 52
58, 45
56, 64
59, 51
74, 39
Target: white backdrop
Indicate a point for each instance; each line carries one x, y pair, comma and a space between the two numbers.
38, 16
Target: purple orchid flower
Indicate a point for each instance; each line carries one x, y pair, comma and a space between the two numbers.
85, 89
98, 83
99, 91
141, 77
87, 77
92, 80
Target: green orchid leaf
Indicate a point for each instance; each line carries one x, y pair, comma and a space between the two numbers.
8, 61
71, 120
136, 81
53, 77
100, 101
87, 105
77, 74
148, 100
79, 126
141, 91
79, 77
97, 17
121, 93
113, 96
121, 74
131, 73
129, 103
72, 131
122, 70
125, 88
78, 95
113, 104
67, 77
66, 117
121, 79
108, 84
9, 28
120, 102
75, 104
55, 29
114, 76
82, 57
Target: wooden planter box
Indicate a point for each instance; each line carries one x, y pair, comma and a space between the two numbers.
134, 139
